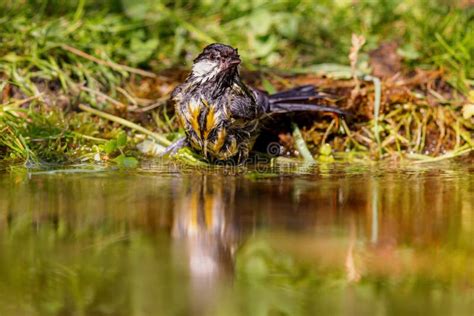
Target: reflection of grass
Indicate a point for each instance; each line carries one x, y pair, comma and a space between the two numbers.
94, 271
49, 277
99, 244
64, 53
276, 281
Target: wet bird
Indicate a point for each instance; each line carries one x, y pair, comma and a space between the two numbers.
222, 116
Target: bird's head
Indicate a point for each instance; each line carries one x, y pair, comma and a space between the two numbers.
216, 61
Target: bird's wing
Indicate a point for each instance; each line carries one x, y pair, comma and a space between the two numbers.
244, 103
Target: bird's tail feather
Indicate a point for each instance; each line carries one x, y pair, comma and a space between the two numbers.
298, 99
299, 107
306, 90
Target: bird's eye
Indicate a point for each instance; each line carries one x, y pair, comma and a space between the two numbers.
214, 56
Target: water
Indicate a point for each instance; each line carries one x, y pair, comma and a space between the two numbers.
346, 240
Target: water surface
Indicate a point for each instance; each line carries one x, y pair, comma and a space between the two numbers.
320, 240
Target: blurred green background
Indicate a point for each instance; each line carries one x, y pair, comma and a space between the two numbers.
160, 34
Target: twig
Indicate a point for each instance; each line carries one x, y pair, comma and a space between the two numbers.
362, 138
110, 99
456, 153
110, 64
159, 138
328, 130
20, 102
150, 107
350, 136
127, 95
102, 140
357, 42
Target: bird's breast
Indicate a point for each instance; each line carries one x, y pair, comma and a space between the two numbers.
206, 123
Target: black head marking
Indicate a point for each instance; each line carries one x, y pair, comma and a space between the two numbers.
218, 52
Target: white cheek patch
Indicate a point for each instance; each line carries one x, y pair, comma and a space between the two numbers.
205, 69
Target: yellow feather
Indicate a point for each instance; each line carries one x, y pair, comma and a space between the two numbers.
182, 120
220, 140
210, 121
233, 147
194, 118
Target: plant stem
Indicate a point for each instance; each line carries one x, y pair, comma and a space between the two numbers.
160, 139
301, 144
110, 64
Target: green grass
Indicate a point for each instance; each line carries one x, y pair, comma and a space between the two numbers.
157, 34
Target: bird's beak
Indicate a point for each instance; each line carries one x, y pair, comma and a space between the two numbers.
231, 63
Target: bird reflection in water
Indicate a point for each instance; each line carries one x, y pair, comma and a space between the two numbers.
202, 226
